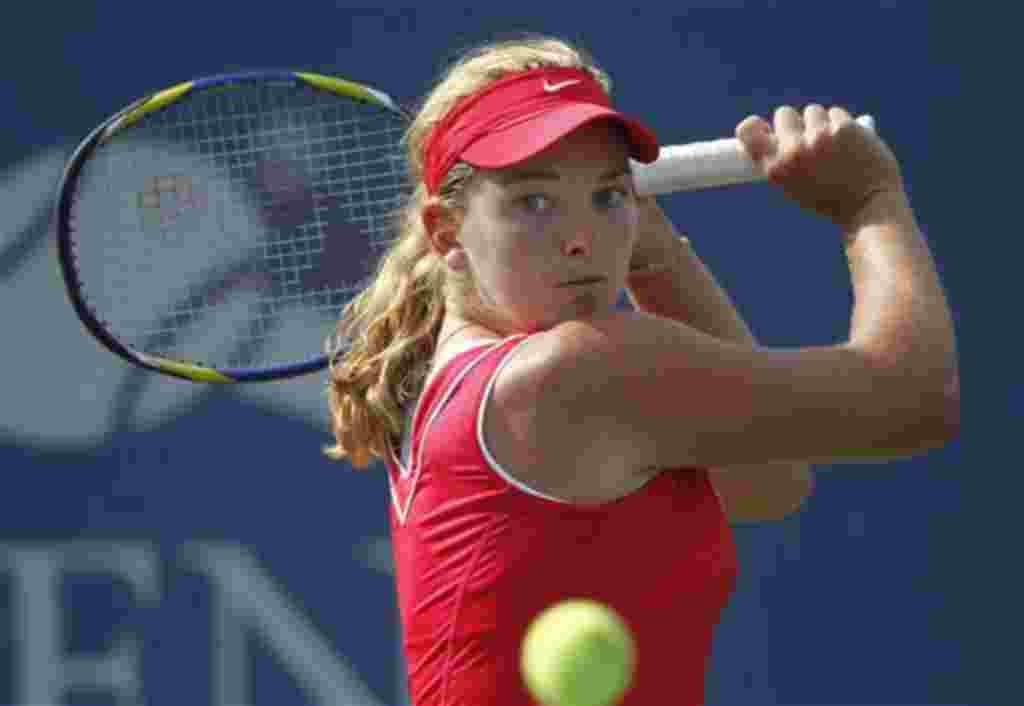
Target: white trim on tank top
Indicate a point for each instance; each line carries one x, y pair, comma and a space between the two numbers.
466, 346
495, 466
415, 469
502, 472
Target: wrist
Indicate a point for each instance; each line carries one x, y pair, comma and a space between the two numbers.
665, 253
890, 206
657, 244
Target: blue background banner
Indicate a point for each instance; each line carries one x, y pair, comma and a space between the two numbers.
163, 542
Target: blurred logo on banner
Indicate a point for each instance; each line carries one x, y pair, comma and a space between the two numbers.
172, 542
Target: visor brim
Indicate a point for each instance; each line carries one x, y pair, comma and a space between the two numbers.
526, 138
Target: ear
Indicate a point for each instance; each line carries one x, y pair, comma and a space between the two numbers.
456, 258
442, 229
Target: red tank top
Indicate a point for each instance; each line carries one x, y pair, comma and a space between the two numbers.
478, 555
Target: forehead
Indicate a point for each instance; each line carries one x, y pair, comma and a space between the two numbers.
598, 147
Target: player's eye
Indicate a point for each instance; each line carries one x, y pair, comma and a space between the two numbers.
612, 197
535, 203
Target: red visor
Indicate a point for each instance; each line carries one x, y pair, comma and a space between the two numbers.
520, 115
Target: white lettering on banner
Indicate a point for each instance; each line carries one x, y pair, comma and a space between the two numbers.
248, 597
43, 675
245, 599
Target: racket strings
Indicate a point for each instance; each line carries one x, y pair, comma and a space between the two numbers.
236, 225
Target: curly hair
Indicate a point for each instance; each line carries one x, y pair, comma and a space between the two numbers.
387, 333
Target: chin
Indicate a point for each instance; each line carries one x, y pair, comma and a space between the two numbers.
587, 304
582, 306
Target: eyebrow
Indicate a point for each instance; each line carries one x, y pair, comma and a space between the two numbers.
508, 177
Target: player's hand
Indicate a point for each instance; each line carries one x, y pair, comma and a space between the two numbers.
822, 159
656, 238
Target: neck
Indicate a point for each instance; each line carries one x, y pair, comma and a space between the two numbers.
454, 327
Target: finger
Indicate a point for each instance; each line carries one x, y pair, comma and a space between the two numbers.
788, 123
839, 117
817, 125
789, 131
755, 135
815, 117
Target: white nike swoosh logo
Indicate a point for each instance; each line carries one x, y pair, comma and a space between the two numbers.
555, 87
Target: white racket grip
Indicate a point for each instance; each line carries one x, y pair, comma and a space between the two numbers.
702, 165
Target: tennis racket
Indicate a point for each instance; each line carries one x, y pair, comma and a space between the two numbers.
213, 231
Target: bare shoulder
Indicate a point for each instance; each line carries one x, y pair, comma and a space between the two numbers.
538, 439
596, 404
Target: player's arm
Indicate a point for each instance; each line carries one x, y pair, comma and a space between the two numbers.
643, 392
669, 279
668, 394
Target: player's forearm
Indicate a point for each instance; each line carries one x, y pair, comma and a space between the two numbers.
900, 315
672, 281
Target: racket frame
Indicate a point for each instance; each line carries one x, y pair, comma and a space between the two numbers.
128, 116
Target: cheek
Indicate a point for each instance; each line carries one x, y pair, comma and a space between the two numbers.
502, 257
626, 217
624, 223
524, 243
509, 257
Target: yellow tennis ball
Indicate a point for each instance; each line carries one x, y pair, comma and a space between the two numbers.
578, 653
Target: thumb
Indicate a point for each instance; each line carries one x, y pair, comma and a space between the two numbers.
756, 137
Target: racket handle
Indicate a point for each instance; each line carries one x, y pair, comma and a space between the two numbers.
702, 165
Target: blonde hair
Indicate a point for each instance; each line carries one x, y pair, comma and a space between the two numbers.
388, 332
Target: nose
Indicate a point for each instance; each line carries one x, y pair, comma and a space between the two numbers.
580, 243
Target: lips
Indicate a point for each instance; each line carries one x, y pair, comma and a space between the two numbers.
582, 281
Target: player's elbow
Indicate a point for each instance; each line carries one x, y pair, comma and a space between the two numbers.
797, 492
763, 492
938, 429
925, 419
952, 397
776, 510
938, 403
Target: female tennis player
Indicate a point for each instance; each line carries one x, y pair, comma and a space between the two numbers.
543, 443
